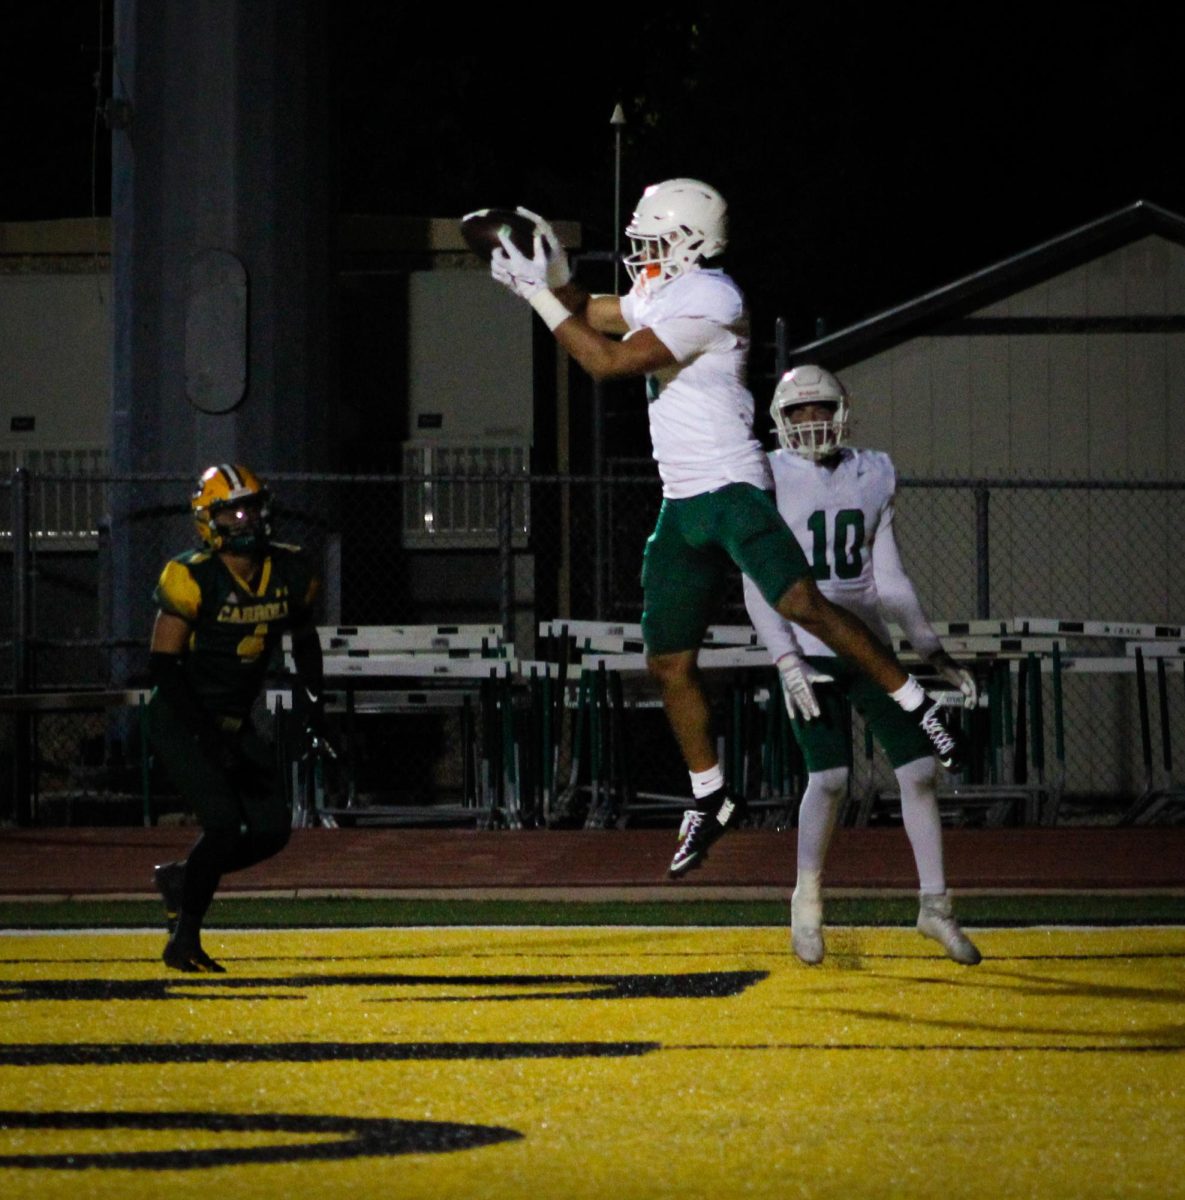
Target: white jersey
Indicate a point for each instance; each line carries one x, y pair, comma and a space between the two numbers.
842, 517
701, 412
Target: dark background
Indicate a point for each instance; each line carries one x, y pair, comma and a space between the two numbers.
865, 157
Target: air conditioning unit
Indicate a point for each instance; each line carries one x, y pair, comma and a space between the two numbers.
458, 494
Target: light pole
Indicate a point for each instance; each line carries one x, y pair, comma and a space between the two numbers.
617, 121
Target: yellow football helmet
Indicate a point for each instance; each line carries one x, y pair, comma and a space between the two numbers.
232, 509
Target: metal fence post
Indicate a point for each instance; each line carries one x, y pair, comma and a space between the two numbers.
505, 558
983, 595
21, 599
598, 470
22, 637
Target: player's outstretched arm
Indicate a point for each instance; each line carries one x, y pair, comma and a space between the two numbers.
580, 332
899, 602
777, 636
310, 670
603, 313
306, 657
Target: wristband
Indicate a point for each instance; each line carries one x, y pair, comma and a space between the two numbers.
550, 308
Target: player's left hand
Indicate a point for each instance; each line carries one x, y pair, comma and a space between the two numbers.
958, 677
513, 269
559, 273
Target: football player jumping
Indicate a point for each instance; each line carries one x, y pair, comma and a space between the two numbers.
221, 611
685, 329
839, 501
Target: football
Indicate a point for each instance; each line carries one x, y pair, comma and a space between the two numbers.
481, 229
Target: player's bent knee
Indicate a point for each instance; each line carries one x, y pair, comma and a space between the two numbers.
670, 669
803, 603
833, 782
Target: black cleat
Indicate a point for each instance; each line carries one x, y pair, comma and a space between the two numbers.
170, 882
190, 957
948, 743
702, 827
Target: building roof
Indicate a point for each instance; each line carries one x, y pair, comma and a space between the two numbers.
1001, 279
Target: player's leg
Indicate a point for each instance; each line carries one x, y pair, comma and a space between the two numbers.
686, 707
203, 872
681, 583
267, 817
917, 777
824, 745
848, 636
763, 546
200, 773
923, 825
824, 794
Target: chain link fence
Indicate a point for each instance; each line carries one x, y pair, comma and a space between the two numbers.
80, 555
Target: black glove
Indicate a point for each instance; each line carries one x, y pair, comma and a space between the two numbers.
315, 734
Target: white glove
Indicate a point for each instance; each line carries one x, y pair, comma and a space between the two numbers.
559, 272
513, 269
796, 688
961, 678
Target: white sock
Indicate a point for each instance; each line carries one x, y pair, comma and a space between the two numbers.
809, 884
816, 817
910, 695
704, 783
923, 826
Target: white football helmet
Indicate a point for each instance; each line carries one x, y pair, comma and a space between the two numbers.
676, 225
810, 439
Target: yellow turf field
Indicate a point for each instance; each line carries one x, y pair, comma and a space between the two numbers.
587, 1062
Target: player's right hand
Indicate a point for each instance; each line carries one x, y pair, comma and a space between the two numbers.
559, 273
796, 688
513, 269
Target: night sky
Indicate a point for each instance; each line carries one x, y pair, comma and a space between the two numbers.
865, 158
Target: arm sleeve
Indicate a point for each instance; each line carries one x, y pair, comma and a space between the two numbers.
898, 600
306, 657
776, 633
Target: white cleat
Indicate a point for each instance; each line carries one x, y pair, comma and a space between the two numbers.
936, 921
806, 926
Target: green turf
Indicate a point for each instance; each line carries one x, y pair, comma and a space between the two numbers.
1084, 909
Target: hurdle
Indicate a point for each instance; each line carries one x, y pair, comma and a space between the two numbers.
464, 671
1168, 799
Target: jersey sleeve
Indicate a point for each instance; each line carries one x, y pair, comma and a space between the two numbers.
312, 591
895, 591
177, 592
688, 337
776, 633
